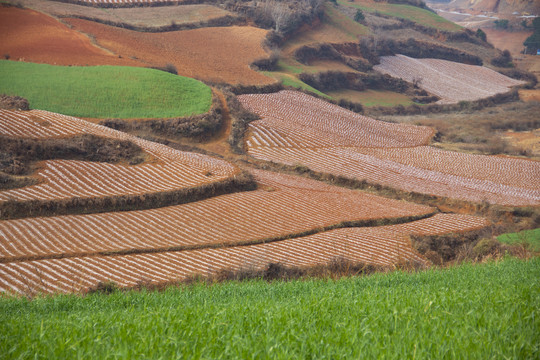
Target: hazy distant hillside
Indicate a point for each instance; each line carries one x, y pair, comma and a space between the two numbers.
501, 6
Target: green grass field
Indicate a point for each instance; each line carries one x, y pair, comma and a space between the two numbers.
489, 311
529, 237
104, 91
407, 12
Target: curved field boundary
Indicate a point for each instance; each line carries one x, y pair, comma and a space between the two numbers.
105, 91
451, 81
285, 207
386, 245
352, 163
31, 36
67, 179
297, 129
214, 54
297, 120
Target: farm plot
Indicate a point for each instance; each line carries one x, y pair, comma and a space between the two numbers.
62, 179
218, 54
299, 132
292, 119
386, 245
31, 36
451, 81
284, 206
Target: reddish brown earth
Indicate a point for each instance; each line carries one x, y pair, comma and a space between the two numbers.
31, 36
210, 54
507, 40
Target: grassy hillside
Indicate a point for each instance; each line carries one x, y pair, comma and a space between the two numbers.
104, 91
420, 16
483, 311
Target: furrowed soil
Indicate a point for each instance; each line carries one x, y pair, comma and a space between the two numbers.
220, 55
150, 17
31, 36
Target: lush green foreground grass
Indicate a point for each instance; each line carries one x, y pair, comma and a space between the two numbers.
472, 312
104, 91
530, 237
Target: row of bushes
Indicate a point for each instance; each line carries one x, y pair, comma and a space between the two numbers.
198, 127
339, 52
223, 21
19, 209
372, 48
18, 156
437, 108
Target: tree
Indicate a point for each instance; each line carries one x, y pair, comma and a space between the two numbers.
481, 35
359, 16
501, 24
533, 42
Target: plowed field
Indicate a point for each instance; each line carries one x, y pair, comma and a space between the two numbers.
451, 81
34, 37
211, 54
61, 179
386, 245
287, 205
298, 129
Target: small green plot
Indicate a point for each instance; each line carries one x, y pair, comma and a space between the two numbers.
104, 91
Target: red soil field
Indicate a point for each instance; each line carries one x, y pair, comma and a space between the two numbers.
61, 179
31, 36
220, 54
386, 245
324, 142
283, 206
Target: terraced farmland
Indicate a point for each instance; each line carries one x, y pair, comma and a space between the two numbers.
295, 120
451, 81
291, 133
285, 205
61, 179
386, 245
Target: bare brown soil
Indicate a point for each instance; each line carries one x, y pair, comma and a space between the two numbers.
507, 40
220, 55
31, 36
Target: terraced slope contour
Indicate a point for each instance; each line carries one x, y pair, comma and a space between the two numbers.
386, 245
300, 129
64, 179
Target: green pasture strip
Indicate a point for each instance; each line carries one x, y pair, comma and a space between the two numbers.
104, 91
292, 81
371, 98
489, 311
407, 12
530, 237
